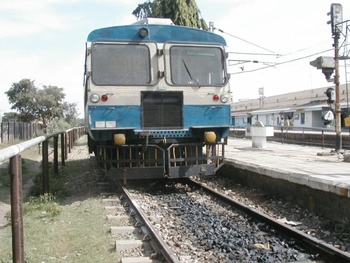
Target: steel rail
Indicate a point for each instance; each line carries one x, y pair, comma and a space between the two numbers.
156, 241
316, 244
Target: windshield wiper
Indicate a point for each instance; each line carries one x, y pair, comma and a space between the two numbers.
189, 74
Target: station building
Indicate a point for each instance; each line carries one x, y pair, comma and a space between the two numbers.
303, 109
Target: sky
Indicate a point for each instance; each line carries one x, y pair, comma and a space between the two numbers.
44, 40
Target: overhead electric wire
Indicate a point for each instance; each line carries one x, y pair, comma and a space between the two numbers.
222, 31
273, 64
284, 62
257, 54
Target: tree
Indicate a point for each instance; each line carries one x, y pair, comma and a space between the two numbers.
44, 104
22, 97
181, 12
9, 117
71, 113
49, 104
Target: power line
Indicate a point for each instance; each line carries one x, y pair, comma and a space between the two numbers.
222, 31
256, 54
284, 62
263, 54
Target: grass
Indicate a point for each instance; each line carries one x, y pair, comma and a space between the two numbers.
69, 227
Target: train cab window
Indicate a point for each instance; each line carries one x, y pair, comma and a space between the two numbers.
197, 65
120, 64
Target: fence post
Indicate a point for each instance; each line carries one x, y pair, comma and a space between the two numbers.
63, 159
16, 209
2, 133
8, 132
45, 156
66, 146
55, 154
282, 139
322, 138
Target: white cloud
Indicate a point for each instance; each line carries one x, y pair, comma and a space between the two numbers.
23, 18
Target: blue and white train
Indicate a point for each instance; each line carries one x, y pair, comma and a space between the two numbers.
157, 100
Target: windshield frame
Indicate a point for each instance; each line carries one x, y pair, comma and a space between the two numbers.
188, 69
148, 69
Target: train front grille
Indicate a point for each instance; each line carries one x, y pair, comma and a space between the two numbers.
161, 109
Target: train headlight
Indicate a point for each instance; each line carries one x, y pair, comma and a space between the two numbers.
143, 31
209, 136
119, 139
94, 98
224, 98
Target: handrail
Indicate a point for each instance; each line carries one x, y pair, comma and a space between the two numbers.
13, 153
8, 152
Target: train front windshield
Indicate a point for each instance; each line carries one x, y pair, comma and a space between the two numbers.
120, 64
197, 65
135, 64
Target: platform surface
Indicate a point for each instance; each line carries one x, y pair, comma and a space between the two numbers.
312, 166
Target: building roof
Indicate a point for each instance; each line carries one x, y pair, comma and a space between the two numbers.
307, 100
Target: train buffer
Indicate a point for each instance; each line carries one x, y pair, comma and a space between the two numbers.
258, 132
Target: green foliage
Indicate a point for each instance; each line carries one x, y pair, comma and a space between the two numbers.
58, 125
45, 104
56, 184
71, 113
4, 177
49, 103
44, 203
22, 97
10, 117
181, 12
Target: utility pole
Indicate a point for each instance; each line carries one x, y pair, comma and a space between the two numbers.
338, 136
336, 23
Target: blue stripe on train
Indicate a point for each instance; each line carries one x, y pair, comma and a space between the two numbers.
194, 115
157, 33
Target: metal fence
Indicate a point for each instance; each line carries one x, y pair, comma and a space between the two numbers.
13, 153
20, 131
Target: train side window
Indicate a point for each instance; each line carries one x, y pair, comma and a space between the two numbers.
197, 65
120, 64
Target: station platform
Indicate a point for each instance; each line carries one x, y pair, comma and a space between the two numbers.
314, 167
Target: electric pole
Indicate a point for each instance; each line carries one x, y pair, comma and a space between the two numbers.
336, 20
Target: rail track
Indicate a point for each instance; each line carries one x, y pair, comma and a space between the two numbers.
187, 221
137, 240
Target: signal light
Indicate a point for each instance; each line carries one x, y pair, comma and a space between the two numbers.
143, 31
336, 14
215, 97
331, 95
104, 97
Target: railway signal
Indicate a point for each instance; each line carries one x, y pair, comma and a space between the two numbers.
336, 14
330, 65
326, 64
331, 95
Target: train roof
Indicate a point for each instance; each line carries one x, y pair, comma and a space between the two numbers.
159, 33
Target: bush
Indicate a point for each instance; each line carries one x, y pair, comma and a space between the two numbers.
44, 203
56, 185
